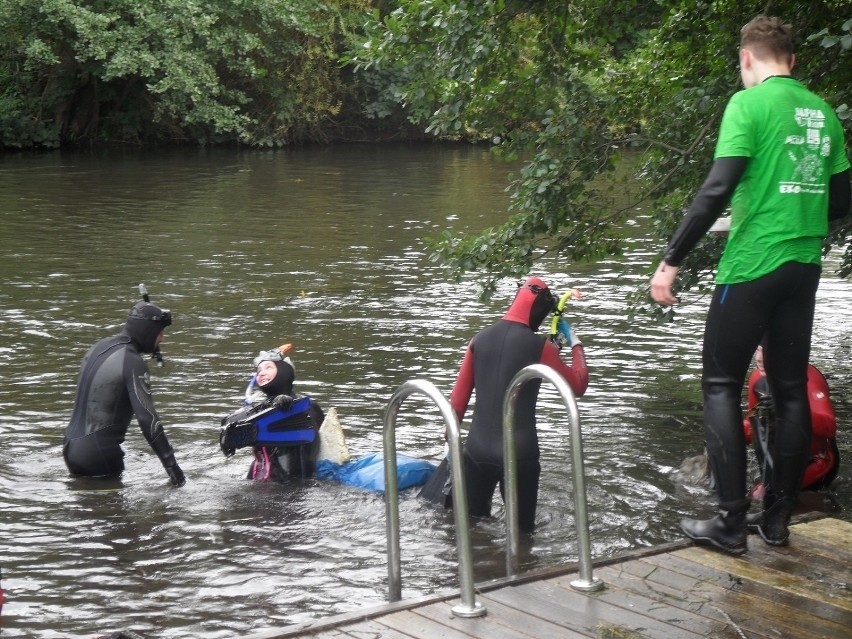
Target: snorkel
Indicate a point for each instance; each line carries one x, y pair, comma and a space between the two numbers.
558, 311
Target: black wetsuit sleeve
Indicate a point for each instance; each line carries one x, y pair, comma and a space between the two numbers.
139, 390
709, 202
839, 196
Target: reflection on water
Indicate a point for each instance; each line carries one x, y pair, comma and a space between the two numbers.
322, 248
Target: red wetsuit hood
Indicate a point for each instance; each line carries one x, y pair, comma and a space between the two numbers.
532, 303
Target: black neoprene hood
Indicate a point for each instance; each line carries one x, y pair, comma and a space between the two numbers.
145, 322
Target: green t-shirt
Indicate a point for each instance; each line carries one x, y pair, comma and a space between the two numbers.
779, 210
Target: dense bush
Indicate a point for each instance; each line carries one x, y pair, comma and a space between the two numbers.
565, 85
569, 85
258, 72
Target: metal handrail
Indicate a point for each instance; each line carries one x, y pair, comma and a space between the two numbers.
586, 582
468, 607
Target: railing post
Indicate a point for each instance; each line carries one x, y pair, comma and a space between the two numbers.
468, 607
586, 582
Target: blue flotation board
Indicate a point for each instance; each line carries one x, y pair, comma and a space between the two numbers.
274, 423
286, 426
369, 471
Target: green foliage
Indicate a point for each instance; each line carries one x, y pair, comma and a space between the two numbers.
832, 70
529, 77
263, 72
690, 89
566, 86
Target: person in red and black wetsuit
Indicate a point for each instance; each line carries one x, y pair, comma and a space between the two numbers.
824, 461
494, 356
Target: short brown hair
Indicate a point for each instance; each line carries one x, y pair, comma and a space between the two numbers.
767, 37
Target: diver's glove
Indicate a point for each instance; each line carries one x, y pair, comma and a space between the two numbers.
564, 335
225, 443
174, 471
282, 401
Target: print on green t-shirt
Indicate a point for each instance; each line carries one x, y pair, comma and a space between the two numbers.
779, 210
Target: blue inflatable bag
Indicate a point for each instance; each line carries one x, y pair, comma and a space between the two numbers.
369, 472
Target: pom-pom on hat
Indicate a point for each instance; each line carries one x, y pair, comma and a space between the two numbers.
275, 355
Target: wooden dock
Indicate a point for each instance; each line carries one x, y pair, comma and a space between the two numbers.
674, 591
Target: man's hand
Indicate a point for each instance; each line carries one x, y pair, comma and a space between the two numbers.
662, 283
225, 443
176, 474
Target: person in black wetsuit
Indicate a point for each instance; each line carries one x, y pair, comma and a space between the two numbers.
780, 161
273, 382
494, 356
113, 385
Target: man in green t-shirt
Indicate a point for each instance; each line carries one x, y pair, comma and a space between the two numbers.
781, 163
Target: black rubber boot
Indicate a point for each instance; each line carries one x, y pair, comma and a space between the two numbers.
726, 531
753, 520
774, 522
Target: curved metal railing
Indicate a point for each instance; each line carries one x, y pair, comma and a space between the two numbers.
468, 607
586, 581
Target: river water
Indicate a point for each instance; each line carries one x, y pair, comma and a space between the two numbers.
322, 248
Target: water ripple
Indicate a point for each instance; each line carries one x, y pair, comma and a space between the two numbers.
323, 250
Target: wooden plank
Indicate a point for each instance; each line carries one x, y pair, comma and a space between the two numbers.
693, 596
810, 590
584, 612
510, 600
410, 623
348, 619
801, 562
494, 625
524, 624
673, 591
626, 591
359, 630
678, 572
808, 544
741, 612
485, 626
687, 599
691, 577
836, 532
622, 577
